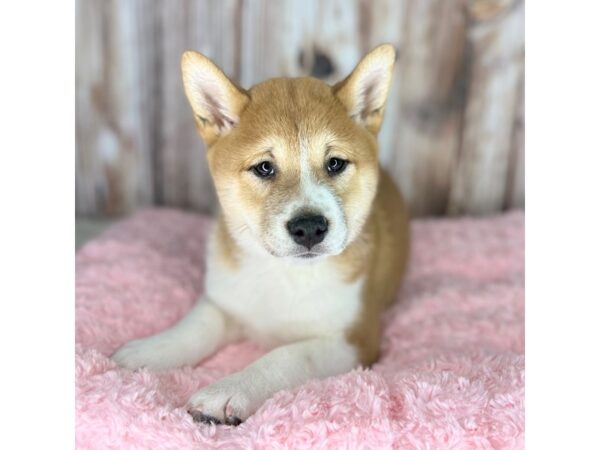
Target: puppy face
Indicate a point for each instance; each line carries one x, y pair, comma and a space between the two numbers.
294, 161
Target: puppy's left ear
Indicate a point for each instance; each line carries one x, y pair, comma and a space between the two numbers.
365, 90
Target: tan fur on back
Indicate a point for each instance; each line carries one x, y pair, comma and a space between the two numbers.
381, 253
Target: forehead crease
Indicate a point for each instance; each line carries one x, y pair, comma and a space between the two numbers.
295, 139
316, 144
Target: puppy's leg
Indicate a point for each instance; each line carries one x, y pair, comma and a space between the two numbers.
201, 332
237, 396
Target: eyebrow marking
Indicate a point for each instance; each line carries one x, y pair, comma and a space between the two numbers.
268, 153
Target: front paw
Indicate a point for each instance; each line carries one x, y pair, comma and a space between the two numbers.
153, 353
226, 401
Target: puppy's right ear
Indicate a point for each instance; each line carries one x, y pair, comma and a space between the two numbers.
216, 101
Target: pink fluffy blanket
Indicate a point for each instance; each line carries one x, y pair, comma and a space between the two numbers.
451, 373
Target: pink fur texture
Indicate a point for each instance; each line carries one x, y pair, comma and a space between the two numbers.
451, 373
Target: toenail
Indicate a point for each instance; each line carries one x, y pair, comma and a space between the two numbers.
233, 420
197, 416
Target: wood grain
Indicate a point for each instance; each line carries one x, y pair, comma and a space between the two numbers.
453, 133
493, 97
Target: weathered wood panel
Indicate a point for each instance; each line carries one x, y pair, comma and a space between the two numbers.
430, 102
515, 185
453, 134
114, 121
182, 177
495, 72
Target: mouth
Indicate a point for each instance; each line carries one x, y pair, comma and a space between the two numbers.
307, 255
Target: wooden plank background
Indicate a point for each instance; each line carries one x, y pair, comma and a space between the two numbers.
453, 132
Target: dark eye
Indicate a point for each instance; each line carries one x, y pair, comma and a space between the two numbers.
264, 169
336, 165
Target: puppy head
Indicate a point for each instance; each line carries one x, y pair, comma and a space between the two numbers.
294, 160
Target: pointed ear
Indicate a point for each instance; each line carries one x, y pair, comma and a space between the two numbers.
365, 90
216, 101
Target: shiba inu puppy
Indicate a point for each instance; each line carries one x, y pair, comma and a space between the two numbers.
311, 242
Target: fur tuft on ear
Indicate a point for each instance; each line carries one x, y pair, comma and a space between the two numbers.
216, 101
365, 90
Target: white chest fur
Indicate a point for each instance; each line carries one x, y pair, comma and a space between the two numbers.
278, 301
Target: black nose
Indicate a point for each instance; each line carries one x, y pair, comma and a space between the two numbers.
308, 230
